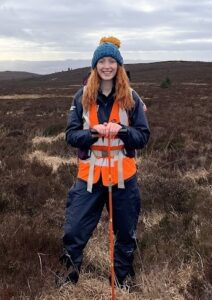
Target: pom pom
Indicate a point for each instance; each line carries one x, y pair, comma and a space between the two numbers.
110, 39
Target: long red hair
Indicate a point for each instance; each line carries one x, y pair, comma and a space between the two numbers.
123, 93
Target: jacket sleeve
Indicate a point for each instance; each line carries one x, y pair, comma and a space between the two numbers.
75, 135
138, 131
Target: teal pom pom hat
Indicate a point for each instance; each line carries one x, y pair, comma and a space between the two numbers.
109, 47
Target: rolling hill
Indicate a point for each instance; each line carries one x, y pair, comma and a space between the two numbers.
14, 75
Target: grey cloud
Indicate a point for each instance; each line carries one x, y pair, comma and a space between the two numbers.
66, 24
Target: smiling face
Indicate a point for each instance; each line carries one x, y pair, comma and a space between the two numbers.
107, 68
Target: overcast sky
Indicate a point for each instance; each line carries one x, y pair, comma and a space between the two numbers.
70, 29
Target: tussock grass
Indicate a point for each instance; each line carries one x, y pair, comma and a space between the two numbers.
50, 160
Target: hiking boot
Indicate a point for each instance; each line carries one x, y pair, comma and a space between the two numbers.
72, 277
69, 274
126, 283
121, 284
132, 272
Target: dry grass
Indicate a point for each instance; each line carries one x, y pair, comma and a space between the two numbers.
53, 161
152, 218
158, 283
198, 175
46, 139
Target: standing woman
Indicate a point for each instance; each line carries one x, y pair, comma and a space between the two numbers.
107, 104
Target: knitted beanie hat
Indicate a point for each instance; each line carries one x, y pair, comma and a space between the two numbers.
109, 46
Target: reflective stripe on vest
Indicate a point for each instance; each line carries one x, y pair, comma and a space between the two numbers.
97, 165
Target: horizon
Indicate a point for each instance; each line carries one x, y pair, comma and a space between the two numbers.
53, 66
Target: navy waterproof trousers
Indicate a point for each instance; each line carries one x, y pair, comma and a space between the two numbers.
83, 211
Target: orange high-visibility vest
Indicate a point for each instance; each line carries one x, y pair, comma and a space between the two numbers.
122, 167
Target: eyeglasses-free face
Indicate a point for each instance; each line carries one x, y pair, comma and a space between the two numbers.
107, 68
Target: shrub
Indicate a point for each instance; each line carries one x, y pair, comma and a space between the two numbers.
53, 129
67, 174
165, 83
39, 169
168, 194
3, 202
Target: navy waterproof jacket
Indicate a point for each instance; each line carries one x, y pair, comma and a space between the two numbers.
137, 134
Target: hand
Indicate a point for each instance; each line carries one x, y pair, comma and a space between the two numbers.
112, 129
101, 128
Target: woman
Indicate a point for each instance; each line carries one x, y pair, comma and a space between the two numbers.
106, 104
